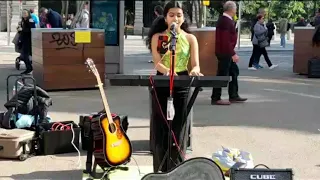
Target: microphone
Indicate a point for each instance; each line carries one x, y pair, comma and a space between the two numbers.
173, 26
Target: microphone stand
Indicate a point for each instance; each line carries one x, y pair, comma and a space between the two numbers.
170, 106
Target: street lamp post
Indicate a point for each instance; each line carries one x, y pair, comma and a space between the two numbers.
8, 22
239, 23
269, 9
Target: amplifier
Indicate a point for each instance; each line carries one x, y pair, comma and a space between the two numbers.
261, 174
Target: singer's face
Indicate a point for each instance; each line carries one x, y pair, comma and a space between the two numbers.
175, 15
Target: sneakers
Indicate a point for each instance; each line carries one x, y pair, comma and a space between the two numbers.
252, 68
256, 67
273, 66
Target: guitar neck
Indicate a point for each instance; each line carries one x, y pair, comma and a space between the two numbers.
104, 100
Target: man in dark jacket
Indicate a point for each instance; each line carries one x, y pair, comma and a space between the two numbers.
317, 18
226, 39
53, 17
301, 22
158, 11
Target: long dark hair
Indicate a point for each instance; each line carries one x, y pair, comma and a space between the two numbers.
316, 37
159, 25
158, 9
29, 15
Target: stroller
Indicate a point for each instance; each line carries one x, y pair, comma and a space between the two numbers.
28, 99
19, 59
17, 49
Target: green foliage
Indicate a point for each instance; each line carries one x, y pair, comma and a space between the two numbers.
215, 7
276, 9
287, 9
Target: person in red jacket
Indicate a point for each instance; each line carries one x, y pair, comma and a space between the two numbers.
226, 39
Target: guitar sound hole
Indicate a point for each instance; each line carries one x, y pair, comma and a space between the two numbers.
112, 128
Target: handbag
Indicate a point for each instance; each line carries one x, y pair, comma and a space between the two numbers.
16, 38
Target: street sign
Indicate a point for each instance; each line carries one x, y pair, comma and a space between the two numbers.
206, 2
83, 37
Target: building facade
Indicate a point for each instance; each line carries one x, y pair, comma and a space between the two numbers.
143, 11
16, 7
144, 14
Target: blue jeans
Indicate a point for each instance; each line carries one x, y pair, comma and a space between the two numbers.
283, 40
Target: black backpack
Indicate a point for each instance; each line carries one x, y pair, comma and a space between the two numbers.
314, 67
5, 119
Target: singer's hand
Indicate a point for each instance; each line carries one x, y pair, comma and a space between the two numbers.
168, 74
195, 72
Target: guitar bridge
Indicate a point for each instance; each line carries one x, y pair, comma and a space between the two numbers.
116, 144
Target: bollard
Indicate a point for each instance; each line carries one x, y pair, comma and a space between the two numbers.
125, 32
142, 35
275, 32
289, 34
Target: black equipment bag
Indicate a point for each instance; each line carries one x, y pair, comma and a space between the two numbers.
314, 68
85, 125
260, 173
87, 140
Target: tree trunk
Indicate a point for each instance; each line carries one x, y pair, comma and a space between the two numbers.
78, 5
63, 7
196, 13
64, 11
77, 16
198, 8
67, 9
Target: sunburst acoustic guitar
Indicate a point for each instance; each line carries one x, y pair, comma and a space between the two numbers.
117, 148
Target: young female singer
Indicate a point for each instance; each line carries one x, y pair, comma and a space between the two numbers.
186, 50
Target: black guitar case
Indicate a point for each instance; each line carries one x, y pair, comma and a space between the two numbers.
199, 168
314, 67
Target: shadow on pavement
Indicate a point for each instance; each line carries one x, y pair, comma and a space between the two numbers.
140, 146
277, 99
270, 105
61, 175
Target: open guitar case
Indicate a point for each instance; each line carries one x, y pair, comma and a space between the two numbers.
91, 167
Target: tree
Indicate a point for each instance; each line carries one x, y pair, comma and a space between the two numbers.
288, 9
198, 10
251, 8
64, 10
215, 8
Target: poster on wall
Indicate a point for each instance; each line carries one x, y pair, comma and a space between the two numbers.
105, 15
